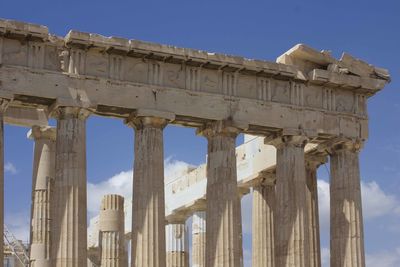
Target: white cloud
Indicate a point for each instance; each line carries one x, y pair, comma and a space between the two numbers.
120, 183
247, 207
376, 203
246, 257
325, 257
323, 205
10, 168
384, 258
175, 168
379, 259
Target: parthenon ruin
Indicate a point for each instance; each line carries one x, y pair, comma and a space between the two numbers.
296, 113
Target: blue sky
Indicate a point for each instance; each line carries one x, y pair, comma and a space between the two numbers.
254, 29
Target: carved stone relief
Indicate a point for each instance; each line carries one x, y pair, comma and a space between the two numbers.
14, 52
136, 70
280, 91
96, 64
209, 81
174, 76
247, 87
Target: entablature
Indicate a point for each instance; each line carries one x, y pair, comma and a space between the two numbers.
114, 76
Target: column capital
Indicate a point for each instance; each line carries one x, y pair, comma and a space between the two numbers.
352, 145
222, 127
314, 161
142, 118
146, 122
64, 112
42, 132
285, 140
242, 191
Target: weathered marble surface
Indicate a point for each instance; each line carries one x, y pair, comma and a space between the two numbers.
42, 194
113, 76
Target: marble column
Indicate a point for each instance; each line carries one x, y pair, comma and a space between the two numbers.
69, 242
177, 245
3, 107
148, 208
312, 164
223, 243
42, 185
199, 239
291, 220
112, 232
347, 235
263, 224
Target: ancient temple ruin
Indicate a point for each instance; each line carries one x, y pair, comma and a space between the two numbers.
303, 108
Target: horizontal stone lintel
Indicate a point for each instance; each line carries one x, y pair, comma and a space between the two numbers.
121, 99
25, 116
288, 66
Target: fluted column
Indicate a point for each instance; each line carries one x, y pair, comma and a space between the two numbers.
291, 220
3, 107
347, 235
42, 185
112, 232
223, 244
263, 223
148, 208
312, 164
177, 245
69, 242
199, 239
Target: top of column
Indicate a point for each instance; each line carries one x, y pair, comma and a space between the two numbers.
65, 112
149, 118
222, 127
42, 132
111, 213
353, 145
112, 202
280, 140
265, 178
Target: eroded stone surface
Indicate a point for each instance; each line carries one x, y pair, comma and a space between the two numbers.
42, 195
148, 209
263, 252
292, 218
306, 93
115, 76
112, 232
69, 249
312, 198
177, 245
223, 236
347, 233
199, 239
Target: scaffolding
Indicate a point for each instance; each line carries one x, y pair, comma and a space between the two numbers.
16, 247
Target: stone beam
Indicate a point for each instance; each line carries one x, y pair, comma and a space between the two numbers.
25, 116
116, 76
